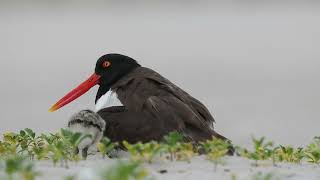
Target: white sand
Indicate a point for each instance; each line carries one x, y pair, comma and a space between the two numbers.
199, 168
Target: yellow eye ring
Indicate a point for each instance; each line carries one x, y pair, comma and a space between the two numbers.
106, 64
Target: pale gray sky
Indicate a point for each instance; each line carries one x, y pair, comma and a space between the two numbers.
255, 66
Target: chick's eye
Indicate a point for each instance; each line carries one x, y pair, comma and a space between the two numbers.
106, 64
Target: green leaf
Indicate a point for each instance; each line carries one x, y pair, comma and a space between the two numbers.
75, 137
30, 132
66, 133
22, 133
173, 138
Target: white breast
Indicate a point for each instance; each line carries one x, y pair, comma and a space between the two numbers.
107, 100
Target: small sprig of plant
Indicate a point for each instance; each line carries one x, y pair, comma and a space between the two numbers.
64, 148
126, 170
172, 143
172, 148
288, 154
105, 146
312, 152
18, 167
215, 149
32, 145
23, 143
9, 145
262, 150
144, 151
185, 152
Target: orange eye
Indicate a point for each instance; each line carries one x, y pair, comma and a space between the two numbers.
106, 64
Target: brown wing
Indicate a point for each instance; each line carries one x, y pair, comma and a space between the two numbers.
148, 92
171, 109
144, 83
195, 105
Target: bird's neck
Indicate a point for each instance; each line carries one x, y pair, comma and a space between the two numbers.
109, 99
103, 89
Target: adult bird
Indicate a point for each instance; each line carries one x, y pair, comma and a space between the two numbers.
138, 104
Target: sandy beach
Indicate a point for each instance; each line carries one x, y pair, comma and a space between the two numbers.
198, 168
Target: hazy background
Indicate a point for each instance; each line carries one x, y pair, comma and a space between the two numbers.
255, 64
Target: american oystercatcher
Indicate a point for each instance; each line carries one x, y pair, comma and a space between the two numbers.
135, 103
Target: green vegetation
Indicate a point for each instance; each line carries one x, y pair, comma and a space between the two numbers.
172, 142
125, 170
177, 149
17, 167
25, 143
261, 150
185, 152
144, 151
288, 154
60, 147
18, 150
312, 152
29, 143
215, 149
172, 148
267, 151
106, 146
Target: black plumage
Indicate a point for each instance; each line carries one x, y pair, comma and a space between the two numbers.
153, 107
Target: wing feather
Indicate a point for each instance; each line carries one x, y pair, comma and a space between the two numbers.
146, 90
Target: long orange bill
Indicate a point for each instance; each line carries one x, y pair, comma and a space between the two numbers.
77, 92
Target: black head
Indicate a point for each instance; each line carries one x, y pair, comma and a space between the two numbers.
111, 68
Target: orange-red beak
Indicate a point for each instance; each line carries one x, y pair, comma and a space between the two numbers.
77, 92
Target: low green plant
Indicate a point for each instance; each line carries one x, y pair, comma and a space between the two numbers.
215, 149
105, 146
185, 152
18, 167
61, 146
172, 143
50, 138
312, 152
288, 154
30, 143
144, 151
172, 146
64, 148
262, 150
8, 146
23, 143
126, 170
